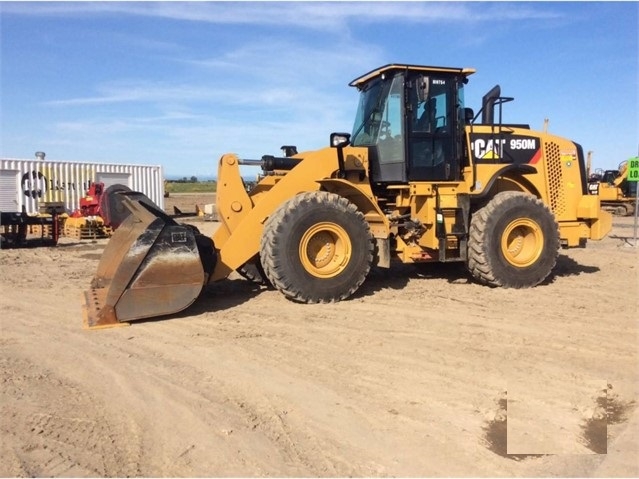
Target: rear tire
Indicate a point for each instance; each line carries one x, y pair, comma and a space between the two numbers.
514, 241
317, 248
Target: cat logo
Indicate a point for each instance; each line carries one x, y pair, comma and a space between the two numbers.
34, 184
488, 149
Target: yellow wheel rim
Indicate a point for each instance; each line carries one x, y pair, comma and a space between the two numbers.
522, 242
325, 250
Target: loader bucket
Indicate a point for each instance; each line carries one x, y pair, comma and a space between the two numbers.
151, 266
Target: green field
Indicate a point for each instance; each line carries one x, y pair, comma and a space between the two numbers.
190, 187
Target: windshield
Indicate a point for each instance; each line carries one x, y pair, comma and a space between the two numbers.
369, 113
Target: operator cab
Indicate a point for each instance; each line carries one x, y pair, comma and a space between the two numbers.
412, 120
610, 176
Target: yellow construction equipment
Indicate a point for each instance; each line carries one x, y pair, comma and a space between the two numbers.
615, 192
419, 179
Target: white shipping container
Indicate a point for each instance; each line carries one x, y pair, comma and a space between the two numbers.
27, 183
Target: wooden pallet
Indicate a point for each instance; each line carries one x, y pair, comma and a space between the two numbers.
40, 230
83, 229
87, 232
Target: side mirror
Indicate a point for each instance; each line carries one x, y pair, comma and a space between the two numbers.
340, 140
469, 115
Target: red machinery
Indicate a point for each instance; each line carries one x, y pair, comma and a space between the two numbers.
90, 204
100, 213
91, 219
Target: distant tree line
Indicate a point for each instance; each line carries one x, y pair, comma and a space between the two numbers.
192, 179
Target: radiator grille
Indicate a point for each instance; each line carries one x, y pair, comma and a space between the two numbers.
555, 179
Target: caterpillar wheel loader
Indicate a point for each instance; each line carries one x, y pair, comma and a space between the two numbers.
421, 178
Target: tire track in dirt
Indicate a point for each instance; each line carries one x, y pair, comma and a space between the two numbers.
251, 416
533, 338
72, 436
399, 380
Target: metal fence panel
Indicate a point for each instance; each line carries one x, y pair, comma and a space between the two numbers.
66, 181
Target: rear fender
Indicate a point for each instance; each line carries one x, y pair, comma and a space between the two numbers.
507, 178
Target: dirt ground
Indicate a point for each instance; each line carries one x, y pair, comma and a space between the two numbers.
421, 373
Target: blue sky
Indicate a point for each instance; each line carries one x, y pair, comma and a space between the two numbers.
179, 84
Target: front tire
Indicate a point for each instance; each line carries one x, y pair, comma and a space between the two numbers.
317, 248
252, 271
514, 241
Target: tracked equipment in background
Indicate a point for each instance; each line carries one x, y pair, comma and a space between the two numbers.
616, 193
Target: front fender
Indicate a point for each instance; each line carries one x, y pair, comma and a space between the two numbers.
362, 197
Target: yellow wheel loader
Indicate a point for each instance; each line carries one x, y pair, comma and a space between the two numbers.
421, 178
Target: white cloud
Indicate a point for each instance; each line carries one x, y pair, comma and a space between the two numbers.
275, 61
330, 16
139, 91
277, 75
250, 99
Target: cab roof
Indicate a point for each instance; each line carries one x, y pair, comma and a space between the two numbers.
419, 68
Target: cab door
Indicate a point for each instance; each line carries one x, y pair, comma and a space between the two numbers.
431, 118
388, 156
